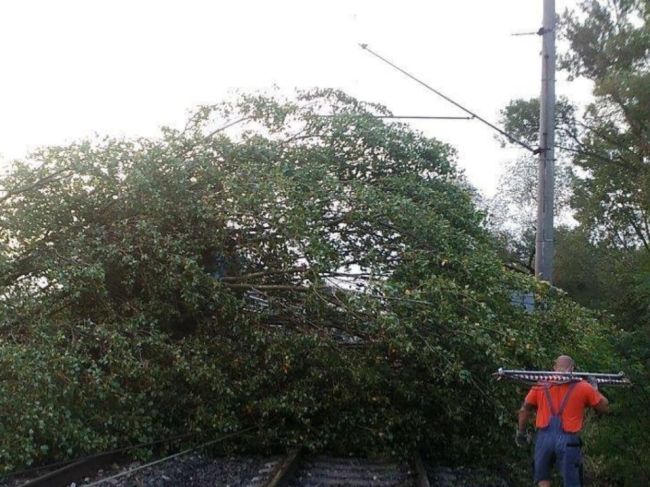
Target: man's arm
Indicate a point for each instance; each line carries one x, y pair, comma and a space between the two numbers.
522, 438
602, 406
524, 415
597, 400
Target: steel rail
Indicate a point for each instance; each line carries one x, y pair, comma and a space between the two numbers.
281, 475
422, 478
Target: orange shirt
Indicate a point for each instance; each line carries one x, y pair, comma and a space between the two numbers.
583, 395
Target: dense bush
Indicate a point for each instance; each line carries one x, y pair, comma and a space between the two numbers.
203, 281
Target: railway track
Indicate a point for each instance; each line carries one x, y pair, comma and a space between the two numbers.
322, 471
192, 468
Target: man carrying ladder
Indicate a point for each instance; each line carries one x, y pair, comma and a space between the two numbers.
560, 411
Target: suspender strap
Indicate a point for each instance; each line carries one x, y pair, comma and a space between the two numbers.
547, 390
564, 400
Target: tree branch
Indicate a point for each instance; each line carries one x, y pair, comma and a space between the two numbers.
295, 270
269, 287
33, 186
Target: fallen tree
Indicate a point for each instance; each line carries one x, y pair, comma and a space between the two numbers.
327, 279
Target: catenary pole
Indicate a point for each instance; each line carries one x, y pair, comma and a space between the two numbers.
544, 247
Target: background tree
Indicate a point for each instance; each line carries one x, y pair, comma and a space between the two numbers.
513, 210
610, 46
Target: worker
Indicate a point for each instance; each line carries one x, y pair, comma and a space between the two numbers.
560, 411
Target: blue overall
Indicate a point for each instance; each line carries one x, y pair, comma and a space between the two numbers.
553, 445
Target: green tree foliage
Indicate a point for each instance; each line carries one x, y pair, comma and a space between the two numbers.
584, 269
326, 279
599, 276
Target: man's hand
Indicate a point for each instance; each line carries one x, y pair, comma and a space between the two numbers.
593, 382
522, 439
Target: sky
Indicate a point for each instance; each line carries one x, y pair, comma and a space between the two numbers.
70, 69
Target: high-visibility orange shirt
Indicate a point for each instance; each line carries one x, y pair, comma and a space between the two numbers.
583, 395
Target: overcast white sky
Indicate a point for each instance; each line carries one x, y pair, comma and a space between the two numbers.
73, 68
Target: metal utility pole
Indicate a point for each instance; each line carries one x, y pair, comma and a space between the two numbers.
544, 247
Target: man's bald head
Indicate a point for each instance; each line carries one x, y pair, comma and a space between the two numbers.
564, 363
